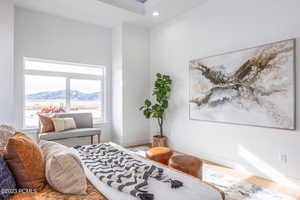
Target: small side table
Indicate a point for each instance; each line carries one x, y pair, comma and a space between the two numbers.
187, 164
159, 154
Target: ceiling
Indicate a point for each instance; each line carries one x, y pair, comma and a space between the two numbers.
110, 13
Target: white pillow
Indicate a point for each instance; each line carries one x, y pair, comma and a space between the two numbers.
61, 124
64, 171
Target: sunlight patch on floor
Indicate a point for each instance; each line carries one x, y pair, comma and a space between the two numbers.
264, 167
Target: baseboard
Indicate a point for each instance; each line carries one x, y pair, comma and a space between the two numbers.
135, 143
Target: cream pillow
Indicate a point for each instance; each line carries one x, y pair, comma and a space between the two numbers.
61, 124
64, 171
6, 132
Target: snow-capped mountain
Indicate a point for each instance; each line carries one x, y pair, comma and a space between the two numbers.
60, 94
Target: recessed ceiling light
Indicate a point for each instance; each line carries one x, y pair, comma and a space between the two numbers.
155, 13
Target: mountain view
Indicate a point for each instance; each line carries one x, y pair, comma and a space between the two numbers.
60, 94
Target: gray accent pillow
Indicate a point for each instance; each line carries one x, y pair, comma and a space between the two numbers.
7, 181
64, 171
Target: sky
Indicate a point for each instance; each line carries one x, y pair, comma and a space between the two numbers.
36, 84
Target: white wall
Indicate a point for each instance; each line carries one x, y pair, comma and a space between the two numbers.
6, 61
136, 83
130, 84
49, 37
117, 85
217, 27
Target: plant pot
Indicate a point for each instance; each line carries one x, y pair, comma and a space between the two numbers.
159, 141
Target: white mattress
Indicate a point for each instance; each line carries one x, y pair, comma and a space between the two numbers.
193, 188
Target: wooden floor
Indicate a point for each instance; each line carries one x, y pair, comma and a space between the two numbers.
262, 182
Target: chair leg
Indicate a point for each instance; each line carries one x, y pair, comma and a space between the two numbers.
99, 138
92, 140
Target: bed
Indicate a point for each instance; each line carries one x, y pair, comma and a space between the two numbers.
193, 188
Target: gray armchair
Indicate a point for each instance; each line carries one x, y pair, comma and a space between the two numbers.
84, 124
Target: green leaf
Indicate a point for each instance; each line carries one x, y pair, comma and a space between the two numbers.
155, 107
165, 104
161, 92
156, 84
155, 115
148, 103
147, 114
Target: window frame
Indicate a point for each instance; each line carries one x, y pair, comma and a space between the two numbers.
68, 76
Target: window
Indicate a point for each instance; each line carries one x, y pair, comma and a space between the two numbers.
62, 87
91, 102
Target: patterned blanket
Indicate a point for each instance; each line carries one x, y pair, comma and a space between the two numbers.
122, 171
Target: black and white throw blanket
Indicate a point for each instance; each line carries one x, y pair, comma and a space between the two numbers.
122, 171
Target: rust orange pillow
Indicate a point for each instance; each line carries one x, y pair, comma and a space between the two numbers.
26, 161
46, 124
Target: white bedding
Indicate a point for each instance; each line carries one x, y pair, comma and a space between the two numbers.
193, 189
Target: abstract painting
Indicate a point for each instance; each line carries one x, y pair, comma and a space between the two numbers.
254, 86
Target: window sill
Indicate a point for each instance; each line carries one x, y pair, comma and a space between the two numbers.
101, 124
97, 124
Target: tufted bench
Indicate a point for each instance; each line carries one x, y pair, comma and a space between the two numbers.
84, 124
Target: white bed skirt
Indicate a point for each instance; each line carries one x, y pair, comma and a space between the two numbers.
193, 188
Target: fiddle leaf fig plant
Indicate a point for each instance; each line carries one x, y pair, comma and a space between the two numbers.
161, 92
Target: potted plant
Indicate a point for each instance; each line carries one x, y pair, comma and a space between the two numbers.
162, 89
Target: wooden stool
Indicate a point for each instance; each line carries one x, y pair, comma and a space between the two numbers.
159, 154
187, 164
